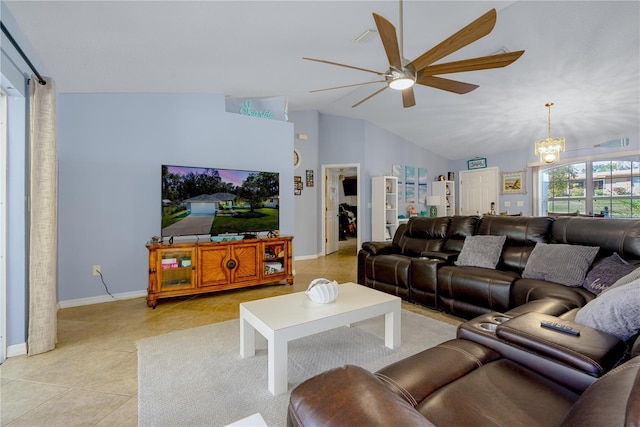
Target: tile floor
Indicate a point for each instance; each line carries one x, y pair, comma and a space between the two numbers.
91, 378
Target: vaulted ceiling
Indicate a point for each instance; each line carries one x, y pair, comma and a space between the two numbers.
581, 55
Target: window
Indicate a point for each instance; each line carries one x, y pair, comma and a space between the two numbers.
602, 187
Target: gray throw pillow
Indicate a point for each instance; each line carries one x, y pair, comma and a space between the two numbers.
616, 311
481, 251
560, 263
606, 272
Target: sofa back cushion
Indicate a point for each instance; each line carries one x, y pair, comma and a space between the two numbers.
522, 232
459, 228
423, 234
610, 234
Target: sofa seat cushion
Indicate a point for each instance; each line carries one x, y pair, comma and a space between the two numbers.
501, 390
389, 269
477, 286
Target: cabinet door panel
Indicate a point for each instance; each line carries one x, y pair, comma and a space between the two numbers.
213, 266
247, 263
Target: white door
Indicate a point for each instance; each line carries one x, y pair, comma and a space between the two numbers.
478, 189
332, 210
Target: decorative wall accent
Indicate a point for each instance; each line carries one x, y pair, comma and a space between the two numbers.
410, 184
513, 182
297, 185
477, 163
309, 177
422, 185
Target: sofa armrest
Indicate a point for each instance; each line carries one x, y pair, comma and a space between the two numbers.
349, 396
380, 248
591, 351
449, 257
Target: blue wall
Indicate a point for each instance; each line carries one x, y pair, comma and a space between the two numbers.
110, 151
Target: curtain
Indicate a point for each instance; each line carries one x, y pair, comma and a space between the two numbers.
43, 218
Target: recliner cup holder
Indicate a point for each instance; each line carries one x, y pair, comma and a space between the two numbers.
501, 319
489, 327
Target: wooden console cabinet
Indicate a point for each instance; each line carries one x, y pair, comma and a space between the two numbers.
191, 268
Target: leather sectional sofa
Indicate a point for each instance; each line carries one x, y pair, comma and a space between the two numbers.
525, 357
419, 264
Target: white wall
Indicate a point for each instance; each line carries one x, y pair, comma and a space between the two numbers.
111, 147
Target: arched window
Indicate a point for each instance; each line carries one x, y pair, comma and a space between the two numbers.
596, 187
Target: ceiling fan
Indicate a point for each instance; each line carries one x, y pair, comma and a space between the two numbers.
403, 74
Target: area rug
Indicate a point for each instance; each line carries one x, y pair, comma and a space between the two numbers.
196, 377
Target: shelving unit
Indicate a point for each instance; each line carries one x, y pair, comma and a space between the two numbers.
198, 267
384, 207
446, 191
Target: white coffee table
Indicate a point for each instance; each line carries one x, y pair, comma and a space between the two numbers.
288, 317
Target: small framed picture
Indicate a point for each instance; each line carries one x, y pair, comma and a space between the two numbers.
297, 185
477, 163
513, 182
309, 177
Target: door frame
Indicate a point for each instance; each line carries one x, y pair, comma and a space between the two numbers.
3, 225
323, 203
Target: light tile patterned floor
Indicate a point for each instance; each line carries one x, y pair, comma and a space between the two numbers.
91, 378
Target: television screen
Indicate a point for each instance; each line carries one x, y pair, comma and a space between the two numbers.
213, 201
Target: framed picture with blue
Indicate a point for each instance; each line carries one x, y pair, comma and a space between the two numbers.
477, 163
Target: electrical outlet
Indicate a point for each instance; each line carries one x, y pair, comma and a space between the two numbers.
96, 270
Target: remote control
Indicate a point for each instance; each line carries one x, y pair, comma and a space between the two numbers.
560, 328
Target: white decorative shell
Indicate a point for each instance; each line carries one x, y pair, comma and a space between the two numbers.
322, 291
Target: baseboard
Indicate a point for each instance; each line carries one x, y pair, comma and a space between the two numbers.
17, 349
100, 299
305, 257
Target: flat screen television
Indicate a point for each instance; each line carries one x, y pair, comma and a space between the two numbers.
197, 201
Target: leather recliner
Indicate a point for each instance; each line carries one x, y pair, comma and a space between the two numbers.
507, 381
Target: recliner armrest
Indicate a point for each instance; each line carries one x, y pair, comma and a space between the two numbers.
446, 256
349, 396
381, 248
592, 351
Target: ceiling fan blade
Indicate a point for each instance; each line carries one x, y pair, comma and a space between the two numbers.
389, 40
344, 65
446, 84
408, 98
467, 35
473, 64
369, 97
342, 87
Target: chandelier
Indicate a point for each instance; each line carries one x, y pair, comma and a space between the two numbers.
549, 149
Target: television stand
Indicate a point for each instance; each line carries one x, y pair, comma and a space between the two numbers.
189, 268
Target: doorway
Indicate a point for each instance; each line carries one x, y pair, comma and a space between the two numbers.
340, 211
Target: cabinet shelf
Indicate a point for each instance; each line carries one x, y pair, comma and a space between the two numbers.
384, 207
446, 191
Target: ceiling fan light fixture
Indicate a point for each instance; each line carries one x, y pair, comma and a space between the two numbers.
400, 80
549, 149
402, 83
